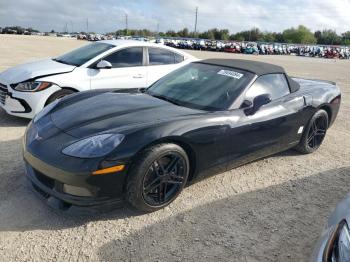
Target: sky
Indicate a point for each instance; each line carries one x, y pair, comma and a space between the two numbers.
235, 15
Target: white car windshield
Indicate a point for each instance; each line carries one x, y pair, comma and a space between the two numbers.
201, 86
83, 54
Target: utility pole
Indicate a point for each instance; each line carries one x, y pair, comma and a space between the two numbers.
87, 25
126, 24
195, 23
157, 28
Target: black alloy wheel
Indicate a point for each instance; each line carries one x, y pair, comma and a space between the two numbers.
314, 133
164, 179
317, 132
157, 177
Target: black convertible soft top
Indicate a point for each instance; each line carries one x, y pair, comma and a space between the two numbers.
255, 67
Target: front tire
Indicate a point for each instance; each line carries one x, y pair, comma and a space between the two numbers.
59, 94
314, 133
157, 177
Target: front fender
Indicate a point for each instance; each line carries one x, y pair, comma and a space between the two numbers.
198, 137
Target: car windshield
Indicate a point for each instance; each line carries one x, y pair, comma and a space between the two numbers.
83, 54
201, 86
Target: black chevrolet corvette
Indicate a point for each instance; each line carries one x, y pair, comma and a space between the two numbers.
100, 148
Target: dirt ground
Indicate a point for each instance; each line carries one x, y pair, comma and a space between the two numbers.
270, 210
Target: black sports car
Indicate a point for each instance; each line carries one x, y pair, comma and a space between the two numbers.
98, 148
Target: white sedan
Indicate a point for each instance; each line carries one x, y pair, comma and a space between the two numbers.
26, 89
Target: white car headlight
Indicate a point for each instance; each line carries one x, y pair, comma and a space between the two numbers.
32, 86
95, 146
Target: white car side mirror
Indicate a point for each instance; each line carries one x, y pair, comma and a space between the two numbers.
103, 64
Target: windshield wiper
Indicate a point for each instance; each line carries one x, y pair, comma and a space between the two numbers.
165, 99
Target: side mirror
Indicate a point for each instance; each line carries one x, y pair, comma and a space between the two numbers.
258, 102
246, 104
103, 64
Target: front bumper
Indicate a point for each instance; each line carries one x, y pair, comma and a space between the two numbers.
84, 192
24, 104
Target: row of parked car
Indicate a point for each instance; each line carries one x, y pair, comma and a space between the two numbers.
94, 37
340, 52
256, 48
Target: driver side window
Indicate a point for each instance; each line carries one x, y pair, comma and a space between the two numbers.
128, 57
275, 85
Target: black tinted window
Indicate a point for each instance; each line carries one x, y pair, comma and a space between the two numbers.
126, 57
273, 84
160, 56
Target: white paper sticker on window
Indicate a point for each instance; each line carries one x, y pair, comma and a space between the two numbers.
230, 74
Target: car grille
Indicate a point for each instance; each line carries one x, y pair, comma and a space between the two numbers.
45, 180
3, 93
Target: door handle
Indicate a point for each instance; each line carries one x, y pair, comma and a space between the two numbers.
139, 76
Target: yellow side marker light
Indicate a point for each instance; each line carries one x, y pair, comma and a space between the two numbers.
108, 170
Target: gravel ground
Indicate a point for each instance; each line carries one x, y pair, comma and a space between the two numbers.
270, 210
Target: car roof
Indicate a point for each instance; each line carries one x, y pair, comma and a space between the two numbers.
255, 67
129, 43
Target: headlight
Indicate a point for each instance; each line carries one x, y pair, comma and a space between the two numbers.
32, 86
338, 246
344, 244
45, 110
95, 146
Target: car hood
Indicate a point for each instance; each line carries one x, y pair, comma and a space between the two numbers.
32, 70
115, 112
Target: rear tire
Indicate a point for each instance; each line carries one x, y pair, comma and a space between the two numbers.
314, 133
59, 94
157, 177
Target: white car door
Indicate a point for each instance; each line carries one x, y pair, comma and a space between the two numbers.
128, 70
161, 62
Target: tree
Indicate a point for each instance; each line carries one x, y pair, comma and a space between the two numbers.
318, 35
183, 33
253, 34
267, 37
300, 35
211, 35
224, 34
346, 42
171, 33
279, 37
345, 38
328, 37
